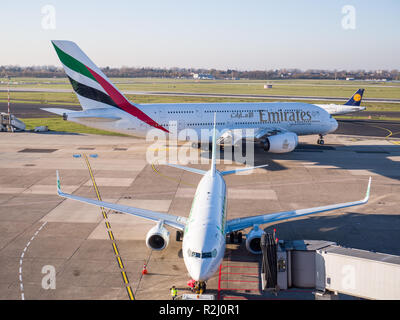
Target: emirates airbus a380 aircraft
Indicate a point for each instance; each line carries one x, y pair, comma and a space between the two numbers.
275, 125
204, 231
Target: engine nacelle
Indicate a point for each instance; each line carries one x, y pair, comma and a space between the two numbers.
253, 240
281, 142
158, 237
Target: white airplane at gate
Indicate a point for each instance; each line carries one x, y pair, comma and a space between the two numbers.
206, 228
275, 125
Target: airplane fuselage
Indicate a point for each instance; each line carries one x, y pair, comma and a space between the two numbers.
187, 120
338, 109
204, 241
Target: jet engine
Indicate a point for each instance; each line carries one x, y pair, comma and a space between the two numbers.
253, 240
281, 142
158, 237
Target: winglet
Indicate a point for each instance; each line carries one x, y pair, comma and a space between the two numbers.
368, 190
58, 183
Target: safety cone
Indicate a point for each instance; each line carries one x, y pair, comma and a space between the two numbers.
144, 270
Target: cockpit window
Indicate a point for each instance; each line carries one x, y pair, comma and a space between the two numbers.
206, 255
202, 255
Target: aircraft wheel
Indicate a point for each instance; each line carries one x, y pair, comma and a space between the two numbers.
239, 237
202, 287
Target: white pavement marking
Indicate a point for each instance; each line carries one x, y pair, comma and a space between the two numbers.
21, 285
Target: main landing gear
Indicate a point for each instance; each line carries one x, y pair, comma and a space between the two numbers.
179, 235
321, 141
235, 236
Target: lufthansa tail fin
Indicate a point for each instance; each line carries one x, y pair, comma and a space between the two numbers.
355, 100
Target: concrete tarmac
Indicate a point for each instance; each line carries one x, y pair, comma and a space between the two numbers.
42, 233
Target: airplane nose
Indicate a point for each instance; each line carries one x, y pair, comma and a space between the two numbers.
334, 125
200, 270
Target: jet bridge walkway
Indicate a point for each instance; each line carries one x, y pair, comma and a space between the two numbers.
329, 269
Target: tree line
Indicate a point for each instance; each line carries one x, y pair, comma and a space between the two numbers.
174, 73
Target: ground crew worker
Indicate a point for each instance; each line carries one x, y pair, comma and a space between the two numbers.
174, 293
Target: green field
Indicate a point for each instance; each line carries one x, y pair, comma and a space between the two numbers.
322, 88
59, 125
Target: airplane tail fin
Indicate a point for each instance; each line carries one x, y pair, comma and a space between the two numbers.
91, 85
355, 100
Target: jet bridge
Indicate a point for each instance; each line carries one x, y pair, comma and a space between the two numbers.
330, 270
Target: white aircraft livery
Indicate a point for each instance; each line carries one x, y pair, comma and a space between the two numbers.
275, 125
351, 106
205, 230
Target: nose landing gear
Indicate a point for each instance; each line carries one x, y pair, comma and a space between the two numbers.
321, 141
199, 287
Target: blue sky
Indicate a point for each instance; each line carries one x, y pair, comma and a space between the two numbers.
221, 34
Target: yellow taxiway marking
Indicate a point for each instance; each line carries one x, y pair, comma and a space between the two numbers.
115, 249
170, 178
390, 134
124, 276
130, 293
110, 233
121, 265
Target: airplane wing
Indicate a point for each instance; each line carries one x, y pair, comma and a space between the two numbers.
176, 222
243, 223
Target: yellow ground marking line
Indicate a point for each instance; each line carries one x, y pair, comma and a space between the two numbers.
382, 128
390, 134
125, 277
395, 134
115, 249
170, 178
110, 233
121, 265
130, 294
